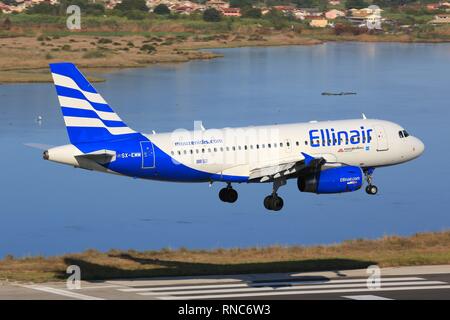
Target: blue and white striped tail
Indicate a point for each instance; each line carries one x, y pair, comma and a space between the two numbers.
87, 116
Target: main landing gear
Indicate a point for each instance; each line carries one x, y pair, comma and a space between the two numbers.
228, 194
274, 202
370, 189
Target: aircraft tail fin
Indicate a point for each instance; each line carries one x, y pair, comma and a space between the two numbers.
87, 116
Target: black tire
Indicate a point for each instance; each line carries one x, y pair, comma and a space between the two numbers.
232, 195
277, 203
223, 194
371, 189
268, 202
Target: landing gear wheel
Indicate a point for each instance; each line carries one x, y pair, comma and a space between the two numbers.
371, 189
232, 195
228, 194
273, 202
267, 202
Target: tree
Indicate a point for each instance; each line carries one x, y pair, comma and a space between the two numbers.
241, 3
6, 24
252, 13
161, 9
355, 4
212, 15
127, 5
44, 8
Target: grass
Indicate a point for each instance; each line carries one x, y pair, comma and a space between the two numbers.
419, 249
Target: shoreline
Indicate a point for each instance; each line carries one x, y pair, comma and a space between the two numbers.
36, 71
428, 248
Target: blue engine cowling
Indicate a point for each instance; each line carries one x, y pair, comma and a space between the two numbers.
334, 180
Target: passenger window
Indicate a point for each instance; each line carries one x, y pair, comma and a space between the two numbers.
245, 147
234, 148
192, 151
306, 143
274, 145
203, 150
281, 144
296, 142
184, 151
287, 144
268, 145
179, 152
172, 153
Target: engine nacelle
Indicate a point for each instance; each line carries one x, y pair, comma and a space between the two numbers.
333, 180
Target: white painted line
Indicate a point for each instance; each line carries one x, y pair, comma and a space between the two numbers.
285, 293
62, 292
262, 284
317, 286
100, 287
366, 297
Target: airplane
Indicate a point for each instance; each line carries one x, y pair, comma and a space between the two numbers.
324, 157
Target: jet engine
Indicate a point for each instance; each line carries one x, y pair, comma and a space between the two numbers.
332, 180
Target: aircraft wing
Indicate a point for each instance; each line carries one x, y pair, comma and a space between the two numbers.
100, 156
289, 169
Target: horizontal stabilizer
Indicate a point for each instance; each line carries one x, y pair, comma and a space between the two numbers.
100, 156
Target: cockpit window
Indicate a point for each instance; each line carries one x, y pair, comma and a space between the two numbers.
403, 134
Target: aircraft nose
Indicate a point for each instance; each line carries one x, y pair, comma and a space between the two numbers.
418, 147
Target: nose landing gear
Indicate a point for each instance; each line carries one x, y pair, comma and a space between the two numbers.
228, 194
370, 189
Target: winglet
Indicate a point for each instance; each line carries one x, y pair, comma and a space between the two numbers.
308, 158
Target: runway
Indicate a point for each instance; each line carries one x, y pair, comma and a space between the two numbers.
425, 282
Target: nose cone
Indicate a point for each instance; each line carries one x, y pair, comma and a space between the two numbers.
418, 147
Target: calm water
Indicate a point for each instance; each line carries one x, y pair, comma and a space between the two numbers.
50, 209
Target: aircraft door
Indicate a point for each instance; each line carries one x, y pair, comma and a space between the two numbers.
148, 155
382, 139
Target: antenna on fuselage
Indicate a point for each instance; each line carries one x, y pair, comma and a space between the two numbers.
364, 116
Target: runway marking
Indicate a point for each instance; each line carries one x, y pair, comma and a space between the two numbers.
61, 292
262, 284
367, 297
287, 289
279, 293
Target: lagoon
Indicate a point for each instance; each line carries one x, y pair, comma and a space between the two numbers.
53, 209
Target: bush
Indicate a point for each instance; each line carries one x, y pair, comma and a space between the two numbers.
148, 48
212, 15
94, 54
128, 5
252, 13
135, 15
104, 40
161, 9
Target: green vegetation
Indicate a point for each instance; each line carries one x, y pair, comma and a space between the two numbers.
419, 249
161, 9
212, 15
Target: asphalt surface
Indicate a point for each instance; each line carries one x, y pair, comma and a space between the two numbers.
426, 282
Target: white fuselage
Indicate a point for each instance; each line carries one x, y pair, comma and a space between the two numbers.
238, 151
